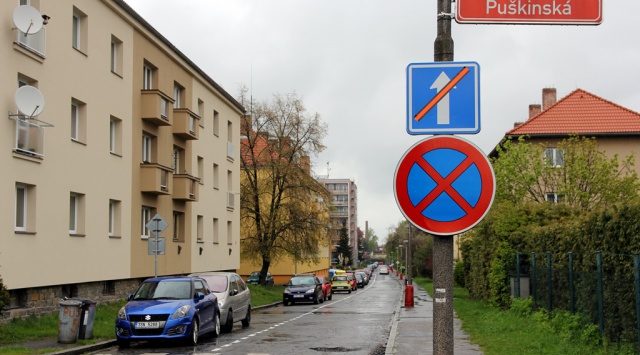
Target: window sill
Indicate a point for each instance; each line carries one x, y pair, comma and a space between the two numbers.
77, 141
31, 53
24, 232
21, 155
80, 51
117, 74
77, 235
116, 154
115, 237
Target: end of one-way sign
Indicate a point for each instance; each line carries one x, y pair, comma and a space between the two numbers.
443, 98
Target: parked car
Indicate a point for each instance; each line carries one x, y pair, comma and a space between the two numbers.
169, 308
365, 276
352, 281
340, 283
326, 288
359, 280
254, 278
234, 298
303, 288
384, 270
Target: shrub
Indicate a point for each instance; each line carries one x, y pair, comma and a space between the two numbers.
458, 273
4, 296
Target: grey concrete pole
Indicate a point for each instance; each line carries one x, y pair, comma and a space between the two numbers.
443, 245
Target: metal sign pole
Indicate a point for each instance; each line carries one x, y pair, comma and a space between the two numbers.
443, 244
155, 268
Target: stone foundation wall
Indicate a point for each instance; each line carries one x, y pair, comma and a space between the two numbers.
45, 300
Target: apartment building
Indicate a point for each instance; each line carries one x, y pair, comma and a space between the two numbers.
124, 127
344, 210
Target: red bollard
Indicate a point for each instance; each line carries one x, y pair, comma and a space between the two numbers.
400, 276
408, 296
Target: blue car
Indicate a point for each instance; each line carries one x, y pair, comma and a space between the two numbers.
169, 308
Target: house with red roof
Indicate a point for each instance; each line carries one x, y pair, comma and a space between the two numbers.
581, 113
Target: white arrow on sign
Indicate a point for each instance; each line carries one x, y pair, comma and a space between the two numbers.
443, 105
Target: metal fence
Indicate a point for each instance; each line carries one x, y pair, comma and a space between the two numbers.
603, 288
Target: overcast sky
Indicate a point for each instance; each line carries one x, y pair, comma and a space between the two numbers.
347, 59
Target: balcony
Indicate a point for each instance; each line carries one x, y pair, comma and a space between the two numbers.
155, 179
154, 108
185, 123
185, 187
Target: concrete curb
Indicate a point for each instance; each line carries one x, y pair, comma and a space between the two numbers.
393, 333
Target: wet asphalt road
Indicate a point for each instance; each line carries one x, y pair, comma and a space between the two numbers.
354, 324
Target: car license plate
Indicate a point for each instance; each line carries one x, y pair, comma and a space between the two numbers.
298, 296
147, 325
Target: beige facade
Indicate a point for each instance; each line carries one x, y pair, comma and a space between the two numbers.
111, 148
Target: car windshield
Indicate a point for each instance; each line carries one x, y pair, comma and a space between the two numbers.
217, 283
339, 278
301, 281
255, 274
164, 290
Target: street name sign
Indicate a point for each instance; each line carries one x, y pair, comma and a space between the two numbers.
443, 98
547, 12
444, 185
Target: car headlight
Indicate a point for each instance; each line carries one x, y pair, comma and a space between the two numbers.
122, 314
287, 291
311, 290
220, 304
181, 312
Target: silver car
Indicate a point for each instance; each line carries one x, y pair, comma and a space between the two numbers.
234, 298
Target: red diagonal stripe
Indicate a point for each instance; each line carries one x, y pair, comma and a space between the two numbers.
444, 185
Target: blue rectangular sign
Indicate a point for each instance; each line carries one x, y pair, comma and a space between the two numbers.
443, 98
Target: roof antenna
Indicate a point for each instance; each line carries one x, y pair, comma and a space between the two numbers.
328, 170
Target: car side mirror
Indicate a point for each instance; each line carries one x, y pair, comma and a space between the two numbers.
199, 296
129, 298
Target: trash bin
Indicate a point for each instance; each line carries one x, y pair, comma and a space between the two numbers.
86, 319
69, 321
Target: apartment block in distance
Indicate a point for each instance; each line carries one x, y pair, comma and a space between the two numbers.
108, 125
344, 211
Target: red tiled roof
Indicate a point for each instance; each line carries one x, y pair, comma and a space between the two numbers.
581, 112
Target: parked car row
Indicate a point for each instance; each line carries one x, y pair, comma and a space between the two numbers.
184, 308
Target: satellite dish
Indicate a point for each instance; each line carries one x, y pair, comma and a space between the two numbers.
29, 101
27, 19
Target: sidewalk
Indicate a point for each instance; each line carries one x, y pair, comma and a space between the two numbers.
412, 328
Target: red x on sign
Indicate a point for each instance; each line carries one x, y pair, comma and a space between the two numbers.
444, 185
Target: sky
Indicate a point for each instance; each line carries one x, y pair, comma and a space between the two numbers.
347, 59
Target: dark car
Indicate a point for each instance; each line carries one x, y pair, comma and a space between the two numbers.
360, 280
234, 298
169, 308
254, 278
303, 288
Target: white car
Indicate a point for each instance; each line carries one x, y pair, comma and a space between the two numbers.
384, 270
234, 297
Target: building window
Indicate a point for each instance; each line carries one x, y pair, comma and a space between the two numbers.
78, 120
148, 76
201, 169
116, 55
76, 213
114, 218
192, 124
216, 176
146, 217
178, 226
215, 231
79, 30
25, 208
115, 135
229, 233
178, 93
199, 229
553, 197
177, 161
201, 112
554, 157
108, 287
147, 148
216, 123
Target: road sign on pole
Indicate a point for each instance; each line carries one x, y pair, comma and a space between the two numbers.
444, 185
549, 12
157, 225
443, 98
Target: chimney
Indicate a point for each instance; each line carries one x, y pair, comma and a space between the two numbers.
548, 97
305, 164
534, 110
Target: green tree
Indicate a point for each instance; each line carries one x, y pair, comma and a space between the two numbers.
344, 250
421, 247
587, 178
283, 210
370, 242
4, 296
